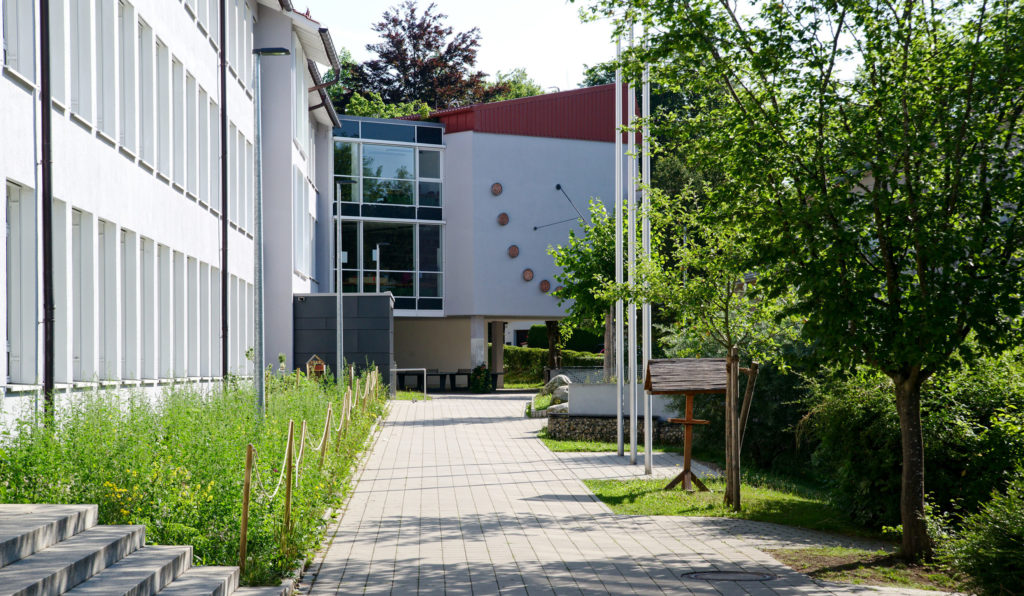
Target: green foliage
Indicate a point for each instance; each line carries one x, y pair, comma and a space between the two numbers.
373, 106
990, 546
526, 365
513, 84
580, 340
869, 157
771, 442
177, 466
708, 284
537, 337
584, 266
480, 379
972, 426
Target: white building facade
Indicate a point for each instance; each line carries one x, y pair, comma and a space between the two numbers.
141, 161
460, 220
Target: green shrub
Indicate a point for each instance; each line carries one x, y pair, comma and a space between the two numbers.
858, 454
526, 365
176, 465
480, 379
973, 430
537, 337
580, 340
989, 548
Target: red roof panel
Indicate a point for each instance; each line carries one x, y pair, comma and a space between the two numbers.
586, 114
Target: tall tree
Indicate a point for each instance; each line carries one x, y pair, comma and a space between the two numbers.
513, 84
584, 265
870, 152
419, 58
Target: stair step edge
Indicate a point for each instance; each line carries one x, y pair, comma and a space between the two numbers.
142, 573
204, 581
285, 589
66, 564
28, 529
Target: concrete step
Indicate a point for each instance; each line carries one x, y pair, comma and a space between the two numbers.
64, 565
282, 590
142, 573
204, 581
28, 529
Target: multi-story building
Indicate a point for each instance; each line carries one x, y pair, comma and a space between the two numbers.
457, 215
153, 183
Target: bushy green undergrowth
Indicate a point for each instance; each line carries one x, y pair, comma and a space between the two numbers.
973, 427
526, 365
177, 466
989, 547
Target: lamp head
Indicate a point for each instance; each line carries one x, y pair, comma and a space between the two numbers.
271, 52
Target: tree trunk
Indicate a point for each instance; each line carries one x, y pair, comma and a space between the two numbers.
554, 345
609, 343
916, 545
732, 437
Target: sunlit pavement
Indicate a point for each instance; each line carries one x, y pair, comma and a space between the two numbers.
459, 496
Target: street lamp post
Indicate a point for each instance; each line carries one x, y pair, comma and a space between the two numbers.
376, 254
258, 349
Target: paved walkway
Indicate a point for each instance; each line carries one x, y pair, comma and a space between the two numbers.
459, 496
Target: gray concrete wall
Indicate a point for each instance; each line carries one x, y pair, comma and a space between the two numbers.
599, 400
481, 279
369, 329
438, 343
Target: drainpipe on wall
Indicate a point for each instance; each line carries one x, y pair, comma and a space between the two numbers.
46, 209
224, 277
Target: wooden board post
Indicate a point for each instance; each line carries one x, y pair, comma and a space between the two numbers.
689, 377
687, 476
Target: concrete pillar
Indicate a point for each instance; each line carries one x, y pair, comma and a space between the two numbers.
477, 341
498, 349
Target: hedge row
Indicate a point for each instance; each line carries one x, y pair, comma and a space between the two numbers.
526, 365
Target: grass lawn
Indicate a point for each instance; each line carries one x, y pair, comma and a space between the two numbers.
765, 498
558, 445
541, 402
410, 395
855, 566
524, 385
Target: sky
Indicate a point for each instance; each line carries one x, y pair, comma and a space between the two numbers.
546, 37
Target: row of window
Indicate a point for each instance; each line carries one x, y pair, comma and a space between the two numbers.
145, 100
147, 312
303, 225
409, 257
387, 174
19, 33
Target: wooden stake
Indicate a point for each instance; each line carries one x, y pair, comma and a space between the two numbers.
302, 450
288, 452
326, 438
246, 486
748, 395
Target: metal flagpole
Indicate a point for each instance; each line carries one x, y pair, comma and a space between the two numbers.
631, 197
619, 328
645, 190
